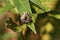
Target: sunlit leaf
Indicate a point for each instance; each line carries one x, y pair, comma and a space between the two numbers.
32, 27
34, 16
22, 27
49, 4
38, 10
14, 10
11, 1
49, 27
38, 3
22, 5
19, 28
46, 37
56, 16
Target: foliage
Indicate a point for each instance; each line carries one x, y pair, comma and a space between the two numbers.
44, 14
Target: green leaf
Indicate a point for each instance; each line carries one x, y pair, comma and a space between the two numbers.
34, 16
7, 2
56, 16
22, 5
19, 28
49, 4
22, 27
38, 10
4, 9
32, 27
38, 3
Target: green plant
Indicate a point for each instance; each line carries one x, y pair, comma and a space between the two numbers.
40, 11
